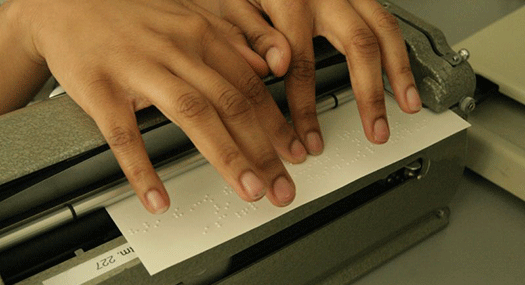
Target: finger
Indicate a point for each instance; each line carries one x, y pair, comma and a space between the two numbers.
281, 134
242, 123
267, 41
194, 114
224, 147
118, 124
295, 21
237, 114
235, 37
341, 24
393, 53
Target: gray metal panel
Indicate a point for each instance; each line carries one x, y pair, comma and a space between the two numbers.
327, 250
47, 133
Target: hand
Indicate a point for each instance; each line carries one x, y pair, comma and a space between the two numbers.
362, 30
116, 57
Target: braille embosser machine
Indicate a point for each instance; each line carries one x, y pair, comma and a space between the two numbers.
57, 175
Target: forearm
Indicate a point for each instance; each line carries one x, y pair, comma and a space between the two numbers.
20, 75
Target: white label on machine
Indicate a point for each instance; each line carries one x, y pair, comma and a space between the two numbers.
94, 267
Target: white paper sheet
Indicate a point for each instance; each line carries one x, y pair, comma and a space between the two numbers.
205, 212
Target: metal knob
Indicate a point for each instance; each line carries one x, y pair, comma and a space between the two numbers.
467, 105
464, 54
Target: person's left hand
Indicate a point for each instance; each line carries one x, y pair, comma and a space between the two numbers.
362, 30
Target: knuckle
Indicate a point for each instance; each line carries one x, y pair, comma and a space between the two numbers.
200, 27
385, 20
297, 5
405, 70
235, 31
122, 138
284, 130
267, 161
138, 174
260, 38
303, 69
228, 155
256, 90
364, 43
255, 37
374, 101
306, 112
96, 80
198, 23
192, 105
232, 104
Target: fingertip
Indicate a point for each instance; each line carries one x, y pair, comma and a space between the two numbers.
413, 99
381, 132
298, 151
314, 143
253, 186
284, 191
156, 201
275, 59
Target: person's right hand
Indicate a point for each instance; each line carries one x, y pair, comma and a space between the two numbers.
362, 30
116, 57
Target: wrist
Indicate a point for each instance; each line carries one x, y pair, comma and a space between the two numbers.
20, 24
23, 72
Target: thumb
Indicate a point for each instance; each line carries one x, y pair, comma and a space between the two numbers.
268, 42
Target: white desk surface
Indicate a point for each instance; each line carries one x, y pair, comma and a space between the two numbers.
485, 241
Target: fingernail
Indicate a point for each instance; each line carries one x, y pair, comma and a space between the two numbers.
413, 100
298, 150
273, 58
314, 143
253, 186
284, 191
156, 202
381, 132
